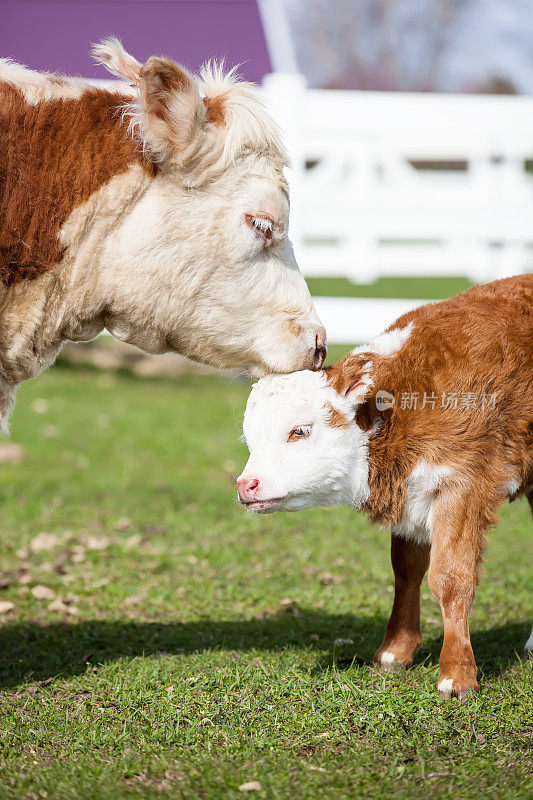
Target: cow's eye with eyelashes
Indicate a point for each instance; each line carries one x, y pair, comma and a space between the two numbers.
262, 226
299, 432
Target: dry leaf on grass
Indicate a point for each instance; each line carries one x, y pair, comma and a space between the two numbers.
133, 600
152, 551
96, 584
40, 405
41, 592
122, 524
290, 607
97, 542
6, 606
11, 454
251, 786
44, 541
50, 431
79, 554
63, 606
132, 541
327, 578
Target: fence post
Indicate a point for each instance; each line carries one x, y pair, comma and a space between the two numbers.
362, 246
284, 94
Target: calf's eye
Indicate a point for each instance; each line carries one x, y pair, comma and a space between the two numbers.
299, 432
262, 226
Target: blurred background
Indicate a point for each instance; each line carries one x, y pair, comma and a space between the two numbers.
409, 123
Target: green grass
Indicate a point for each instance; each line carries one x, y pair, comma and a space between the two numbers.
204, 651
437, 288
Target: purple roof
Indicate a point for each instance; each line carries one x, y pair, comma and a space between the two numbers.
56, 35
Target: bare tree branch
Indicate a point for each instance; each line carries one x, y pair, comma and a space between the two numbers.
375, 44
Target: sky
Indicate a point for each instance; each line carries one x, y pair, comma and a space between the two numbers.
488, 38
495, 35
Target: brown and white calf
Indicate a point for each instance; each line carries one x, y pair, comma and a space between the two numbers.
157, 209
428, 429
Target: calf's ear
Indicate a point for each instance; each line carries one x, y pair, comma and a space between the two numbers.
169, 111
352, 377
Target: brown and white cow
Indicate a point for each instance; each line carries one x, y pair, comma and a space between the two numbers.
428, 429
157, 209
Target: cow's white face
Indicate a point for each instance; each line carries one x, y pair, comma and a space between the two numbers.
305, 447
257, 302
233, 294
202, 263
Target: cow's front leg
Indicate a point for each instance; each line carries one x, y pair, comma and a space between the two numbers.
457, 542
403, 638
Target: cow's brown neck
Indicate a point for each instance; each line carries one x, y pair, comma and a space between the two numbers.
53, 156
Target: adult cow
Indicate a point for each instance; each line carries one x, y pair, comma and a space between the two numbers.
156, 209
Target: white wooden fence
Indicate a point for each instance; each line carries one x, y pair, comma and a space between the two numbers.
367, 200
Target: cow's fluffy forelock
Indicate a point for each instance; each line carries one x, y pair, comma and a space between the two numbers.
241, 124
209, 149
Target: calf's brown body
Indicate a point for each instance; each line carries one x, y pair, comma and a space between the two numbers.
477, 347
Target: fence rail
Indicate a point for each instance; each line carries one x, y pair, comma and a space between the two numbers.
407, 184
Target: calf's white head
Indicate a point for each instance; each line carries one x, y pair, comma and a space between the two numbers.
305, 446
203, 264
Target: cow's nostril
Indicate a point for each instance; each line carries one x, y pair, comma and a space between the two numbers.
320, 351
252, 485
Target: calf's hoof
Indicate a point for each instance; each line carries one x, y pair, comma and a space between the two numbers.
385, 661
449, 688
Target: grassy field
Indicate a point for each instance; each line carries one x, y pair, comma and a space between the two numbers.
183, 649
431, 288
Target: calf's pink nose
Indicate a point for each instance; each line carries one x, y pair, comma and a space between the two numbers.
247, 489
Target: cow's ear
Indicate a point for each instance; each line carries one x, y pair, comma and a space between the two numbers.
171, 109
111, 53
352, 377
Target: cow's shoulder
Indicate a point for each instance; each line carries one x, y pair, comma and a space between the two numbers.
54, 154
